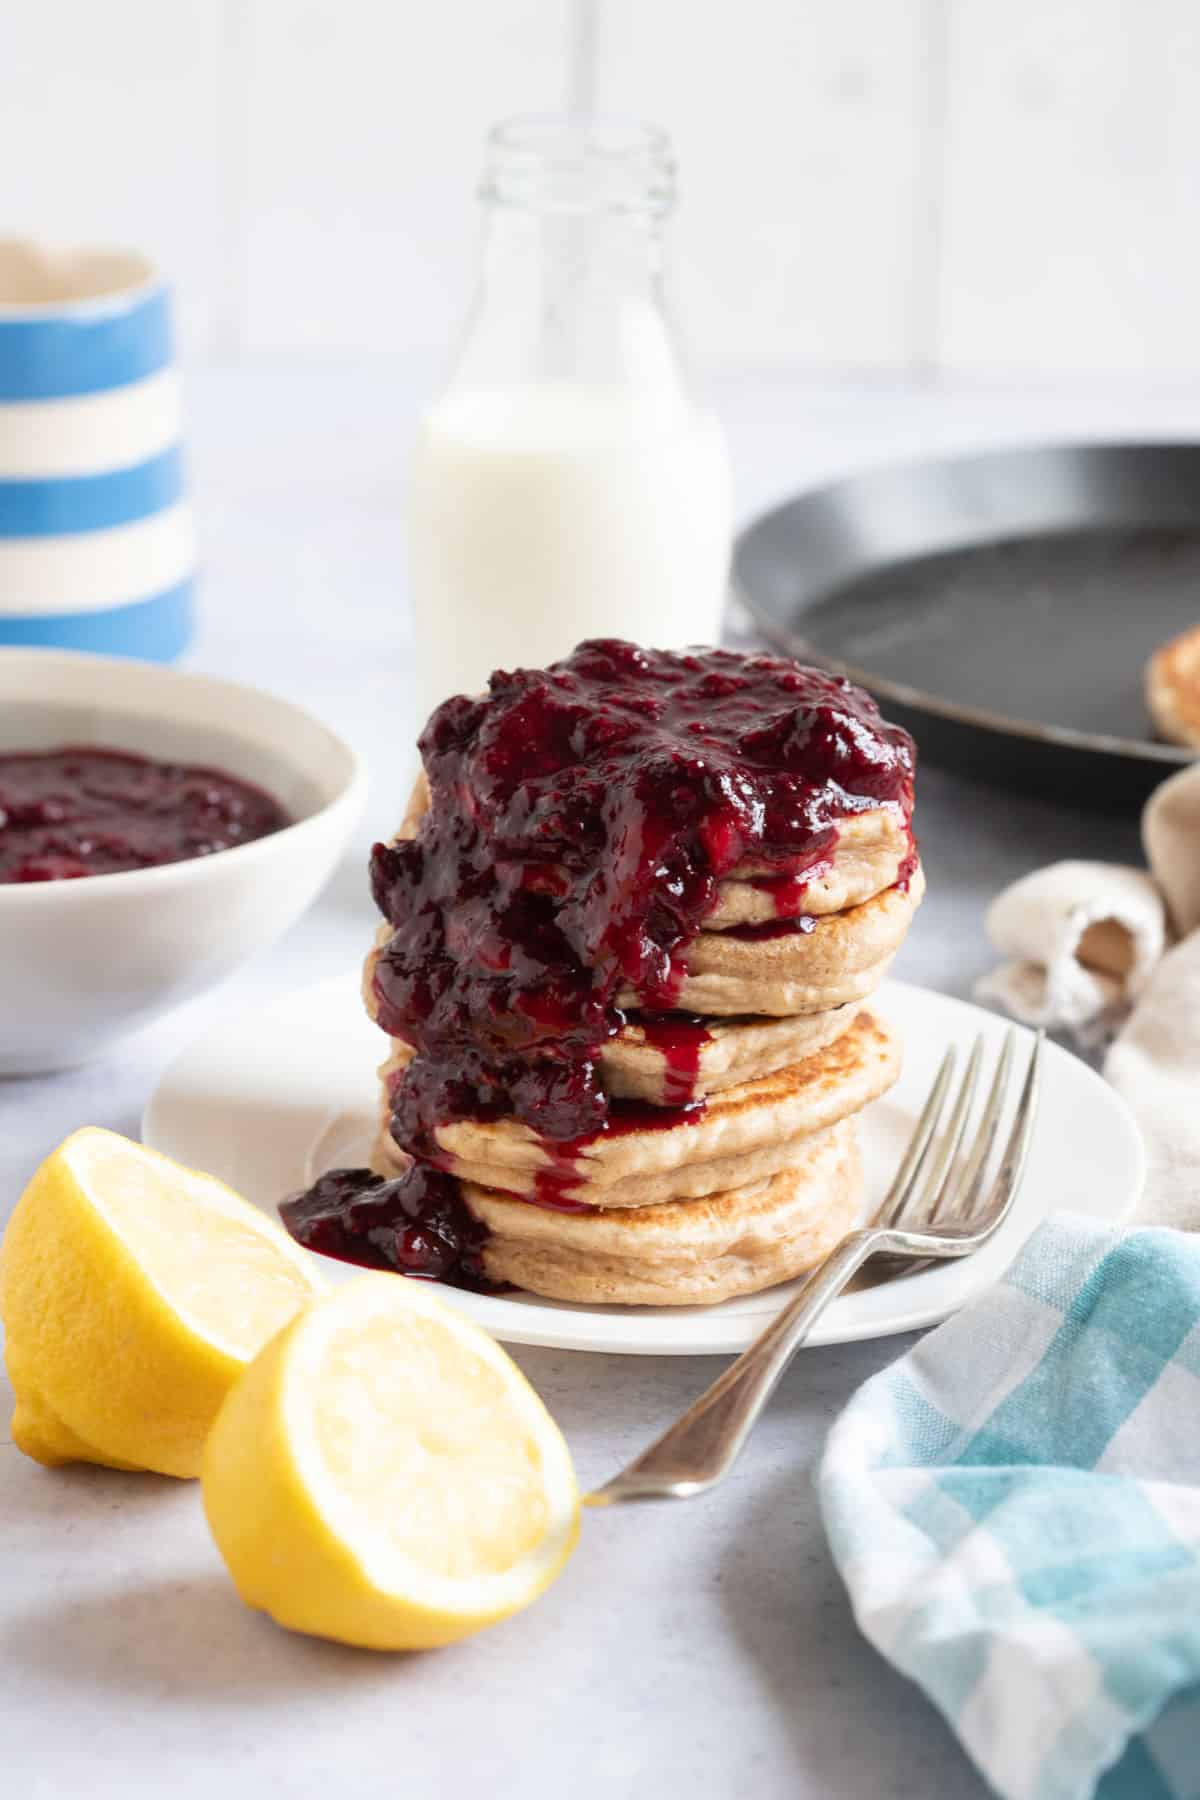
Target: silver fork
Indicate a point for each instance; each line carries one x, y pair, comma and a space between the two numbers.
934, 1187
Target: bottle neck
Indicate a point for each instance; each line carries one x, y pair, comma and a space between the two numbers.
571, 297
571, 283
547, 257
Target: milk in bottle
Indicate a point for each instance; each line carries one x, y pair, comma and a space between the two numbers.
567, 484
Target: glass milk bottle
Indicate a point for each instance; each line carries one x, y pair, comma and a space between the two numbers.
567, 484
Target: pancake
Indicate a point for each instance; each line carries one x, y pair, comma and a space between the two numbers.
723, 993
871, 850
1173, 689
742, 1134
737, 1050
870, 853
686, 1253
841, 960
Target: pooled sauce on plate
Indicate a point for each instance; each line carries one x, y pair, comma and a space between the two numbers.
80, 810
581, 820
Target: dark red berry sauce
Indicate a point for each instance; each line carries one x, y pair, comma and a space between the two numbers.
581, 818
679, 1039
83, 811
417, 1223
787, 892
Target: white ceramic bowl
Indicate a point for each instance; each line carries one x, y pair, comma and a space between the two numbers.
83, 963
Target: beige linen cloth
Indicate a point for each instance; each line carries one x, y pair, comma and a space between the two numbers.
1097, 949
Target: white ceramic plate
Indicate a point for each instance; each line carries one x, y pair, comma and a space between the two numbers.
275, 1098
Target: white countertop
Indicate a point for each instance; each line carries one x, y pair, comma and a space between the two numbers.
708, 1643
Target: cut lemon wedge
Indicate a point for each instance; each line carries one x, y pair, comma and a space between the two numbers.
133, 1293
385, 1476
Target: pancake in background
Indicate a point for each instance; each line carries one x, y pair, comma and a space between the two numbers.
1173, 689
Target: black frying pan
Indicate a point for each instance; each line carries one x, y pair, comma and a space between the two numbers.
1002, 606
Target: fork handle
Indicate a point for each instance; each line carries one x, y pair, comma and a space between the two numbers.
701, 1446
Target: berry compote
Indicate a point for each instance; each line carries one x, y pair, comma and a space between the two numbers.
417, 1223
81, 811
581, 818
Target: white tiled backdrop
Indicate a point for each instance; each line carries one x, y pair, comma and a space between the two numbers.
895, 184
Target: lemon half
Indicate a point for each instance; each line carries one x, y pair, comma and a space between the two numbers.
384, 1475
134, 1292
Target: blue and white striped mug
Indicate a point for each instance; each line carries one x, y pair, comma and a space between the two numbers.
97, 546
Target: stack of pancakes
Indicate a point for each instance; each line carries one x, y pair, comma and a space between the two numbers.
757, 1176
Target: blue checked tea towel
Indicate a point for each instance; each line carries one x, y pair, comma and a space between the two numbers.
1015, 1509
